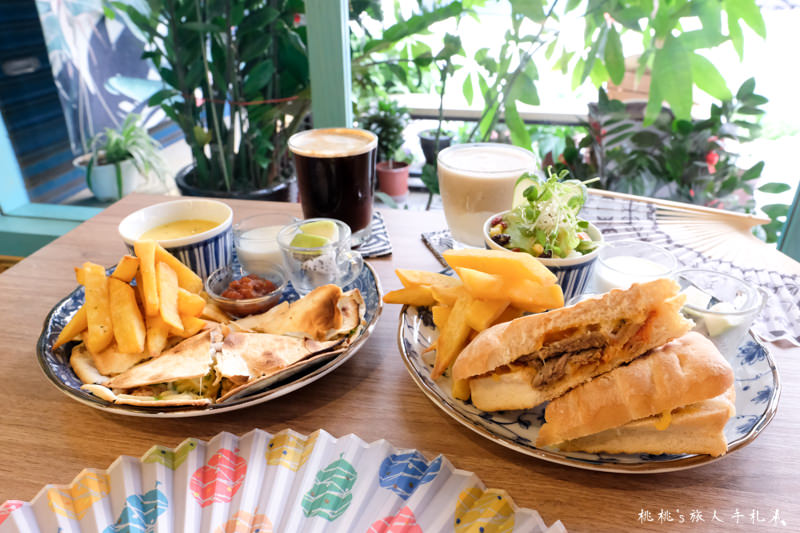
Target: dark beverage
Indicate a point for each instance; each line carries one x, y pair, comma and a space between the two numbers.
336, 175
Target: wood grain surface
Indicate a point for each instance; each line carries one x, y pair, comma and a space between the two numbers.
46, 437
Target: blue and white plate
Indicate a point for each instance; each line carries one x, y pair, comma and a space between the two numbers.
55, 363
757, 392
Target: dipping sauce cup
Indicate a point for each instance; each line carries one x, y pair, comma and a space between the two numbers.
336, 176
722, 306
622, 263
255, 239
476, 181
308, 268
203, 252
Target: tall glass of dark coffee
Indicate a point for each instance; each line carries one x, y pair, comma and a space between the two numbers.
336, 176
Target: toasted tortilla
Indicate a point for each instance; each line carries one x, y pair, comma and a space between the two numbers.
176, 400
189, 359
111, 361
313, 316
352, 307
82, 363
247, 358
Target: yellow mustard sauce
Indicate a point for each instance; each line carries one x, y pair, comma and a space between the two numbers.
179, 229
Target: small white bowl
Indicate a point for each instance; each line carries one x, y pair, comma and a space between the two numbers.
573, 273
203, 252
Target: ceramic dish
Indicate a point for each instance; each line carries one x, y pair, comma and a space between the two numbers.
55, 363
284, 482
757, 392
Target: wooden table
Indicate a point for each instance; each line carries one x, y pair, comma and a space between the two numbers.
46, 437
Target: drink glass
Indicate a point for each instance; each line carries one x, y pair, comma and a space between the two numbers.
255, 240
477, 180
309, 268
336, 176
621, 263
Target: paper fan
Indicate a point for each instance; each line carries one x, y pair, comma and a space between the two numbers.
266, 483
716, 233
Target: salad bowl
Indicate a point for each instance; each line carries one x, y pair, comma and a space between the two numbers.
573, 273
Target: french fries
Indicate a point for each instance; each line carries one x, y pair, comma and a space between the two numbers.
98, 311
490, 287
126, 318
146, 252
168, 296
121, 323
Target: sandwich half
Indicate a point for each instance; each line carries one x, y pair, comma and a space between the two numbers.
536, 358
675, 399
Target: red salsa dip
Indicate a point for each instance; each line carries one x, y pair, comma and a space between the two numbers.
250, 286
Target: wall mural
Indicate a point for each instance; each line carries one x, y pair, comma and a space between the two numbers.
95, 53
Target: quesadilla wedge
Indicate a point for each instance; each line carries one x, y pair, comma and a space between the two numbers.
250, 361
182, 375
318, 315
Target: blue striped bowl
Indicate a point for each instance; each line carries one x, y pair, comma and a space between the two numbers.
203, 252
573, 273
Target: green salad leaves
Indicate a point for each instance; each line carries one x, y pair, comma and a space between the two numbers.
546, 224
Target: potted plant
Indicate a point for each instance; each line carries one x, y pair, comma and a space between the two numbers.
118, 158
237, 83
388, 121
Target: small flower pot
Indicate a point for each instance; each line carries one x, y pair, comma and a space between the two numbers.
108, 182
427, 140
393, 179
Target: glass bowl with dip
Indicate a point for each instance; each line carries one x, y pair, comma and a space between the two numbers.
624, 262
255, 240
198, 232
240, 293
722, 306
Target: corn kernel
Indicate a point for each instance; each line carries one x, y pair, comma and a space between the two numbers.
497, 229
537, 249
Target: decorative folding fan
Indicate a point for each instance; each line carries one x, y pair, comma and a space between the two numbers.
262, 483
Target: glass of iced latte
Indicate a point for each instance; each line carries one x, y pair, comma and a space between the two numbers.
476, 181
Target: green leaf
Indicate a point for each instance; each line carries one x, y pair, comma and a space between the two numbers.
706, 76
204, 27
257, 78
516, 126
109, 13
748, 11
746, 89
693, 40
202, 136
753, 172
160, 96
774, 188
672, 77
747, 110
524, 90
533, 9
614, 60
551, 48
599, 42
775, 211
572, 4
736, 36
467, 89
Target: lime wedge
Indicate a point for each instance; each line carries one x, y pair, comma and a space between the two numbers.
304, 240
519, 188
321, 228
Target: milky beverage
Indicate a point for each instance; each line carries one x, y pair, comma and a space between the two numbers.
477, 181
336, 175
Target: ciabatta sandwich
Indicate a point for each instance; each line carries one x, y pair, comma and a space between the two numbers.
675, 399
536, 358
